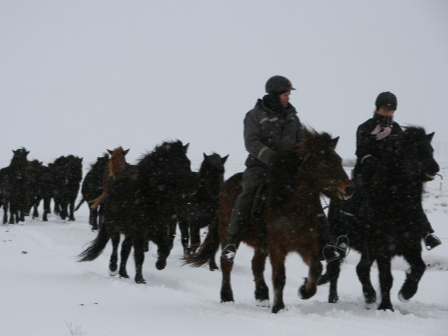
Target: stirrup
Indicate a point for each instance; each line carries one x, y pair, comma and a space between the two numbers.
432, 241
329, 253
229, 252
342, 244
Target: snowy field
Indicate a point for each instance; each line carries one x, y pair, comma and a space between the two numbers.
44, 291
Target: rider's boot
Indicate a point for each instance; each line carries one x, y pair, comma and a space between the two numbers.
238, 225
327, 250
430, 239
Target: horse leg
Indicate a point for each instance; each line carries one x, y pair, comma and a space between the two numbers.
226, 286
212, 263
309, 288
72, 210
5, 212
114, 256
139, 257
195, 237
47, 208
277, 258
126, 247
261, 289
183, 227
410, 286
332, 276
363, 272
93, 215
386, 281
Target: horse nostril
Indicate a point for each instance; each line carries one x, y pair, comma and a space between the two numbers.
349, 190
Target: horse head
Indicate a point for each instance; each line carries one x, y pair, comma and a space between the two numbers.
416, 146
117, 161
19, 158
167, 166
211, 173
318, 164
319, 150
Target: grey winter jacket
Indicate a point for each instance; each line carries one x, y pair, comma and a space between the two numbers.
265, 132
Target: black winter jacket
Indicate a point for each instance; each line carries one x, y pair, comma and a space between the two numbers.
266, 131
369, 150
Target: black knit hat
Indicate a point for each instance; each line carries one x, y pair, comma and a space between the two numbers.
386, 100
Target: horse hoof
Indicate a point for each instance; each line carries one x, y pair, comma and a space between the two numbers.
140, 281
385, 307
160, 264
402, 298
277, 309
113, 273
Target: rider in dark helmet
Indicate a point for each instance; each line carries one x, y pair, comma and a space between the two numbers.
270, 125
372, 138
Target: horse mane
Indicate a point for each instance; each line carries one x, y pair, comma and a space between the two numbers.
157, 157
101, 162
284, 164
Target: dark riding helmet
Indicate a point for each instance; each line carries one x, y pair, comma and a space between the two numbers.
278, 84
386, 100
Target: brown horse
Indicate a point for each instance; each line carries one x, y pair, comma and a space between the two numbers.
288, 219
117, 164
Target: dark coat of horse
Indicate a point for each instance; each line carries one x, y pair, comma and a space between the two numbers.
288, 220
13, 187
92, 188
39, 180
67, 177
115, 167
389, 220
140, 206
196, 211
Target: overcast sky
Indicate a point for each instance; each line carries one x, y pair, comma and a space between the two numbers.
80, 77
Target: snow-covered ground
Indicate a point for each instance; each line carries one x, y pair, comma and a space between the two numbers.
44, 291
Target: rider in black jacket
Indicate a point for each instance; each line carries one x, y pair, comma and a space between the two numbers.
270, 125
372, 138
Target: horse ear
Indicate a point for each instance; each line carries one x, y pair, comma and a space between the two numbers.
205, 156
224, 159
186, 147
125, 152
168, 147
109, 151
430, 136
335, 142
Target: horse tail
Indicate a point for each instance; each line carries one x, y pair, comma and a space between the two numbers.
208, 248
96, 246
80, 203
97, 201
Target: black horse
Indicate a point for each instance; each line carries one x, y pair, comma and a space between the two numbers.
389, 221
13, 187
39, 180
195, 211
92, 188
67, 177
140, 206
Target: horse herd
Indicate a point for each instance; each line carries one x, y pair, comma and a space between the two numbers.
145, 202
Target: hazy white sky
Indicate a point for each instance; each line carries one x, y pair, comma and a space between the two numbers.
80, 77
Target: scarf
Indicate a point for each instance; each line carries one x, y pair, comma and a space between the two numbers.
383, 127
272, 101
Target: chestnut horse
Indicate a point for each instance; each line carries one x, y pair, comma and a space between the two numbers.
117, 164
288, 220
